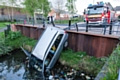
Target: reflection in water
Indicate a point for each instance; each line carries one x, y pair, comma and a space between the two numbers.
12, 67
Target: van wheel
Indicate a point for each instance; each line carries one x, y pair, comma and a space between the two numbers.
65, 44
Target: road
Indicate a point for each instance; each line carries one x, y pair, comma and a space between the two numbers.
96, 30
82, 28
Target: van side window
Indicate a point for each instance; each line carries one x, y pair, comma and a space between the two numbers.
56, 43
53, 49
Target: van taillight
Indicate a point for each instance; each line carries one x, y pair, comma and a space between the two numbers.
65, 31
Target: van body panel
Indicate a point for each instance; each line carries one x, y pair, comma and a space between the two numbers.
42, 45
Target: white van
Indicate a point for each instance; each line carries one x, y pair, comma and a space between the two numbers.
48, 49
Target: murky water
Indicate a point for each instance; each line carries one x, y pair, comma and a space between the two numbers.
12, 67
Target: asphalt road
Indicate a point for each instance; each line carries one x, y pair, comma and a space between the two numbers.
82, 28
96, 30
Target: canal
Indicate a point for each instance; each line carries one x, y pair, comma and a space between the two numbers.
13, 67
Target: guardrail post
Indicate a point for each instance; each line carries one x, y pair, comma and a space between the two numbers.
104, 25
52, 21
33, 21
110, 30
8, 27
76, 26
43, 22
87, 26
69, 25
6, 31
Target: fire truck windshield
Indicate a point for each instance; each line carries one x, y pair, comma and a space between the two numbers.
95, 10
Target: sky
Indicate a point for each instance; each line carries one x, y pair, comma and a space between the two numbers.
82, 4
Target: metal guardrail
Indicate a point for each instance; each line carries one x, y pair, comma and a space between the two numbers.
103, 26
32, 22
106, 28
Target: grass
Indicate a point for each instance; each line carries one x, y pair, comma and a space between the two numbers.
81, 61
3, 48
113, 65
3, 24
13, 41
74, 20
16, 39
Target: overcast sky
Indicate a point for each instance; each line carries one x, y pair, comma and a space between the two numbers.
82, 4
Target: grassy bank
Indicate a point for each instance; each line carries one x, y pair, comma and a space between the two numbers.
13, 41
81, 61
90, 64
113, 65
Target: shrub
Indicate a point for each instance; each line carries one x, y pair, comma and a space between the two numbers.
16, 39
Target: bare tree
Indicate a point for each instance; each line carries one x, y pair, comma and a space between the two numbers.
59, 6
71, 6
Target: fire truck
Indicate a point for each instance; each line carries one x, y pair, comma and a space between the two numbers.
99, 14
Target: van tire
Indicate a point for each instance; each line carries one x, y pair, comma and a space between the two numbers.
65, 44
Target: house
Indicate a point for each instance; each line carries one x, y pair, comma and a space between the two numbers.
117, 8
59, 14
7, 12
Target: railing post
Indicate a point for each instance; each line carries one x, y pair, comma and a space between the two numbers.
8, 27
52, 21
33, 21
43, 22
76, 26
69, 25
104, 25
87, 26
110, 30
6, 31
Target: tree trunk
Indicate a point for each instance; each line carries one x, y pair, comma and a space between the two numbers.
8, 11
12, 15
34, 18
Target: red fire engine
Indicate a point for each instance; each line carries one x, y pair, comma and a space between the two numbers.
99, 14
